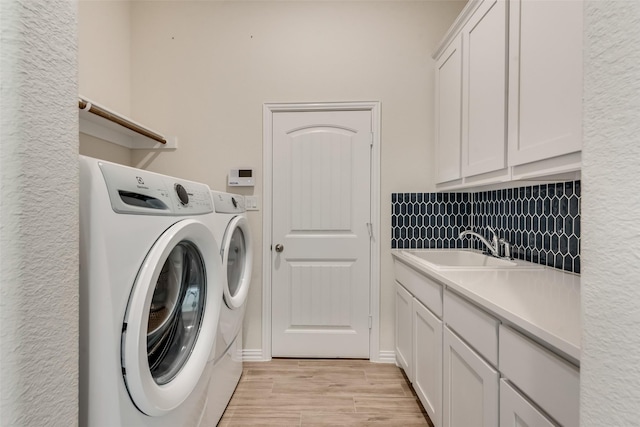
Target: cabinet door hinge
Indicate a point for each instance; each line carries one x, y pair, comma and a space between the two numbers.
370, 321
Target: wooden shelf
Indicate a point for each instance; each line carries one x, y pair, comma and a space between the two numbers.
100, 122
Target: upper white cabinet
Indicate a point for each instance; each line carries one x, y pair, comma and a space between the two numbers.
545, 79
449, 112
520, 92
484, 89
545, 86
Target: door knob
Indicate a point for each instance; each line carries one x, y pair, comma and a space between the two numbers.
279, 248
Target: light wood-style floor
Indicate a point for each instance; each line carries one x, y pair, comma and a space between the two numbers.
314, 392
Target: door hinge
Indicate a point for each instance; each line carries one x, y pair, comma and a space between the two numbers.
370, 321
371, 139
370, 230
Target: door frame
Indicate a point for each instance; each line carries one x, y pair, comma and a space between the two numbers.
374, 286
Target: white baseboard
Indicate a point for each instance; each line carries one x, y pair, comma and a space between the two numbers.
388, 356
253, 355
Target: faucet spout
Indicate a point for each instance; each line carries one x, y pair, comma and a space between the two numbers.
493, 248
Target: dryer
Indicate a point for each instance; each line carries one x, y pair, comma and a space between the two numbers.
231, 227
151, 285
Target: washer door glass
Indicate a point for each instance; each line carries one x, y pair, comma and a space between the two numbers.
172, 316
176, 311
237, 257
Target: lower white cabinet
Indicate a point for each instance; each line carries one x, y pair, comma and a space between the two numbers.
427, 357
419, 350
404, 330
470, 388
516, 411
469, 369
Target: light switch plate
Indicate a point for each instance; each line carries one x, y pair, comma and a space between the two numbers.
251, 203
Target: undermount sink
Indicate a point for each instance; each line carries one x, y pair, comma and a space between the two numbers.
465, 259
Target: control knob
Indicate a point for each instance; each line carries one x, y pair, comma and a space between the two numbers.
182, 194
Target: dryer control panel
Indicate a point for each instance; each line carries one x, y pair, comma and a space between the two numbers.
227, 202
135, 191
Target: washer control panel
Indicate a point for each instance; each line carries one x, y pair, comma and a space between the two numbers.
135, 191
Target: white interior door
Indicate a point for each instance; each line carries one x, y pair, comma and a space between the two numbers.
321, 246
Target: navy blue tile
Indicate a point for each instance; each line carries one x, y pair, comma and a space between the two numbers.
568, 226
542, 221
574, 206
568, 189
573, 245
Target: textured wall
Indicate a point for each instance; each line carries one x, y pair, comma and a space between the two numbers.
38, 213
610, 364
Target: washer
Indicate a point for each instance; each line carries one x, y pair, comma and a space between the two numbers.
232, 229
151, 285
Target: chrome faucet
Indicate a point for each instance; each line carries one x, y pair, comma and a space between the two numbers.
493, 246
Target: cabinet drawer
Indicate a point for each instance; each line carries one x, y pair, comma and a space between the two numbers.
475, 326
425, 290
547, 379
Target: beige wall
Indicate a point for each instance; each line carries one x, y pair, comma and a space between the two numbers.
202, 71
104, 67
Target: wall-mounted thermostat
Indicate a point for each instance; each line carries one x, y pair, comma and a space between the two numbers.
241, 177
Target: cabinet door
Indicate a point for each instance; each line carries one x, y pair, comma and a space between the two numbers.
545, 79
516, 411
448, 112
470, 386
484, 89
427, 358
404, 329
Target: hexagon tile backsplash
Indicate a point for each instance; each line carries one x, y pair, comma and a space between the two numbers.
542, 222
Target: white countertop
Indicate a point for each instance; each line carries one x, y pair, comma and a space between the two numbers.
542, 302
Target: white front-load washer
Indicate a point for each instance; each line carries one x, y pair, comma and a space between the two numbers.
151, 284
231, 227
